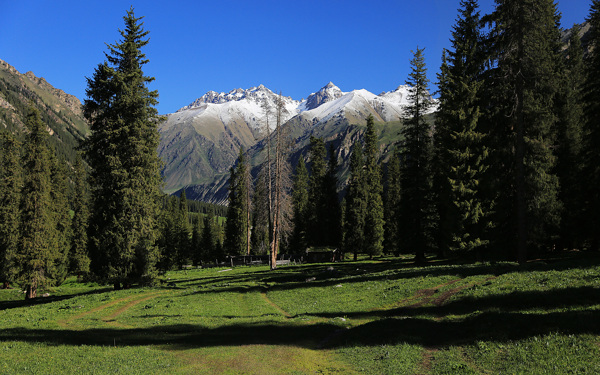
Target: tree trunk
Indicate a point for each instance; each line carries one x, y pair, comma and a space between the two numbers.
31, 292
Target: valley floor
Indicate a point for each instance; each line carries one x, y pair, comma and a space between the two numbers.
374, 317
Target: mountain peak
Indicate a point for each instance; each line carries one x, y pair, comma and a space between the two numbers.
328, 93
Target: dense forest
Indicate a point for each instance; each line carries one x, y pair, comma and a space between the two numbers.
508, 168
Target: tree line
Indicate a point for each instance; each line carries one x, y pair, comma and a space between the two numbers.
505, 168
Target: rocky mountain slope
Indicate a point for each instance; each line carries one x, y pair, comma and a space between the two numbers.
60, 111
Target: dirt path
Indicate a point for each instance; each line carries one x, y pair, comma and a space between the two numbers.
110, 319
273, 304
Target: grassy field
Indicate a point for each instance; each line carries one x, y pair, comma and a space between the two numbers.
376, 317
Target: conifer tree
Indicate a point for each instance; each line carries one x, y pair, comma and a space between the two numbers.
61, 218
592, 130
416, 204
374, 224
209, 241
300, 198
391, 238
237, 226
569, 151
461, 154
526, 56
36, 250
182, 241
11, 180
122, 153
317, 204
196, 242
332, 217
356, 205
260, 219
79, 259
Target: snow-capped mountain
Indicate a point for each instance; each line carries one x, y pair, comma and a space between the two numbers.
249, 105
327, 94
201, 141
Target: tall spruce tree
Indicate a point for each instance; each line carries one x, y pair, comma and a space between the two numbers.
391, 238
317, 204
592, 131
570, 139
416, 206
79, 259
526, 55
183, 255
332, 219
461, 153
11, 180
61, 218
209, 240
260, 218
374, 224
356, 205
122, 153
196, 242
38, 227
236, 229
300, 198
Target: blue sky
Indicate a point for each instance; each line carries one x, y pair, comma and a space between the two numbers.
295, 47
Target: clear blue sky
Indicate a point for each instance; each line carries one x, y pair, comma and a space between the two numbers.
295, 47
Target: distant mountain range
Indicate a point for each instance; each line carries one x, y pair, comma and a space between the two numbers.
201, 141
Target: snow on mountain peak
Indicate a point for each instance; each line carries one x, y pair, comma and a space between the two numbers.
326, 94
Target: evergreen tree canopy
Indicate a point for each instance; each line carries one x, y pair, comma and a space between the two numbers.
122, 153
525, 48
37, 249
236, 230
374, 224
461, 153
11, 180
592, 130
416, 203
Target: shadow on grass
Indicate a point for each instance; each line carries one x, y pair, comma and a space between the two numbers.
5, 305
325, 275
567, 298
490, 326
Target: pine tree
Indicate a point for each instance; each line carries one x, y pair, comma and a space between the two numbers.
570, 139
317, 204
10, 199
281, 200
196, 243
356, 205
416, 203
391, 207
260, 219
301, 208
79, 259
236, 229
209, 241
60, 208
182, 241
526, 56
36, 251
592, 131
374, 224
332, 217
122, 152
461, 155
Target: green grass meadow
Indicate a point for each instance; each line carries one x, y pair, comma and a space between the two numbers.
375, 317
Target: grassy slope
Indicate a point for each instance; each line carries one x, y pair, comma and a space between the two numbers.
384, 317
